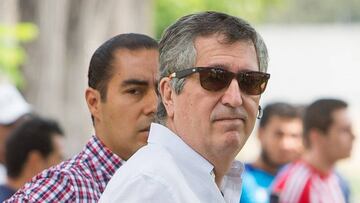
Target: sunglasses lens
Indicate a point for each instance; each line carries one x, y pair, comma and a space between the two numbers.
253, 83
215, 79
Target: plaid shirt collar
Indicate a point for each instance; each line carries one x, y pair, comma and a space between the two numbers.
101, 161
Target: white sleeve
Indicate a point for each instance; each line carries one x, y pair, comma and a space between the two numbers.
142, 188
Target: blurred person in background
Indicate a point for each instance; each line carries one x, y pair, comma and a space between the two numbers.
280, 135
36, 144
328, 138
122, 100
13, 110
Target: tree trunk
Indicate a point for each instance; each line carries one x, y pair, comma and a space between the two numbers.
57, 65
8, 11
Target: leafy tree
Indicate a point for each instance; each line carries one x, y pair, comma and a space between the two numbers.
167, 11
12, 54
319, 11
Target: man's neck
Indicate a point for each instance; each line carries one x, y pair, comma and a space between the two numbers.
221, 161
221, 167
15, 183
261, 164
318, 161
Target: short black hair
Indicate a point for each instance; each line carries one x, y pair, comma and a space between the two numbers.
280, 109
100, 69
33, 134
318, 115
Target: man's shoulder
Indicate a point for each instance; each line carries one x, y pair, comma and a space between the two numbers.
58, 182
293, 170
73, 168
150, 171
253, 172
68, 169
291, 181
152, 160
292, 167
45, 186
155, 162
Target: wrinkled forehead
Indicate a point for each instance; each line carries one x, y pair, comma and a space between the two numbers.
225, 38
220, 40
212, 51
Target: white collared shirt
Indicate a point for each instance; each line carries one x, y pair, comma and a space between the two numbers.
168, 170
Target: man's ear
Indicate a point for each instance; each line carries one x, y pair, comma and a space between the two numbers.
166, 93
93, 100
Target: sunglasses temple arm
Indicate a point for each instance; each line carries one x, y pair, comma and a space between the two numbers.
183, 73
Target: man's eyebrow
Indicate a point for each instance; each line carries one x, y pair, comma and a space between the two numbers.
225, 66
220, 65
134, 82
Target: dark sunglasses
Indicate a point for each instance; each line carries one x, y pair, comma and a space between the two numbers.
216, 79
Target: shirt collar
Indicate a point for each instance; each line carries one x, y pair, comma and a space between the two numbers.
160, 134
102, 157
231, 183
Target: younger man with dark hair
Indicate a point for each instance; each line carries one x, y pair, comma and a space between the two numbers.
32, 147
328, 137
122, 100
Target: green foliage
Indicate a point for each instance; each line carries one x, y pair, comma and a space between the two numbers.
319, 11
12, 54
167, 11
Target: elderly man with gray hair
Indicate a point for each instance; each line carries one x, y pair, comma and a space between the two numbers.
213, 71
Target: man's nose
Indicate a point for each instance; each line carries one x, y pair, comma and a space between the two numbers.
232, 95
289, 143
151, 103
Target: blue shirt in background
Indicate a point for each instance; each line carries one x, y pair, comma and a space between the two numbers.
256, 185
5, 192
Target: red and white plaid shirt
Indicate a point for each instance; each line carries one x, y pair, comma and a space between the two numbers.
80, 179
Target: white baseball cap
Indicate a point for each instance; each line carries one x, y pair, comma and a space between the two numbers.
12, 104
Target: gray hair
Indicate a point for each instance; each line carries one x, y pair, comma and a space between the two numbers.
177, 50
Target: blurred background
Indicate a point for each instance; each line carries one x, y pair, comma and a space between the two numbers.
314, 47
